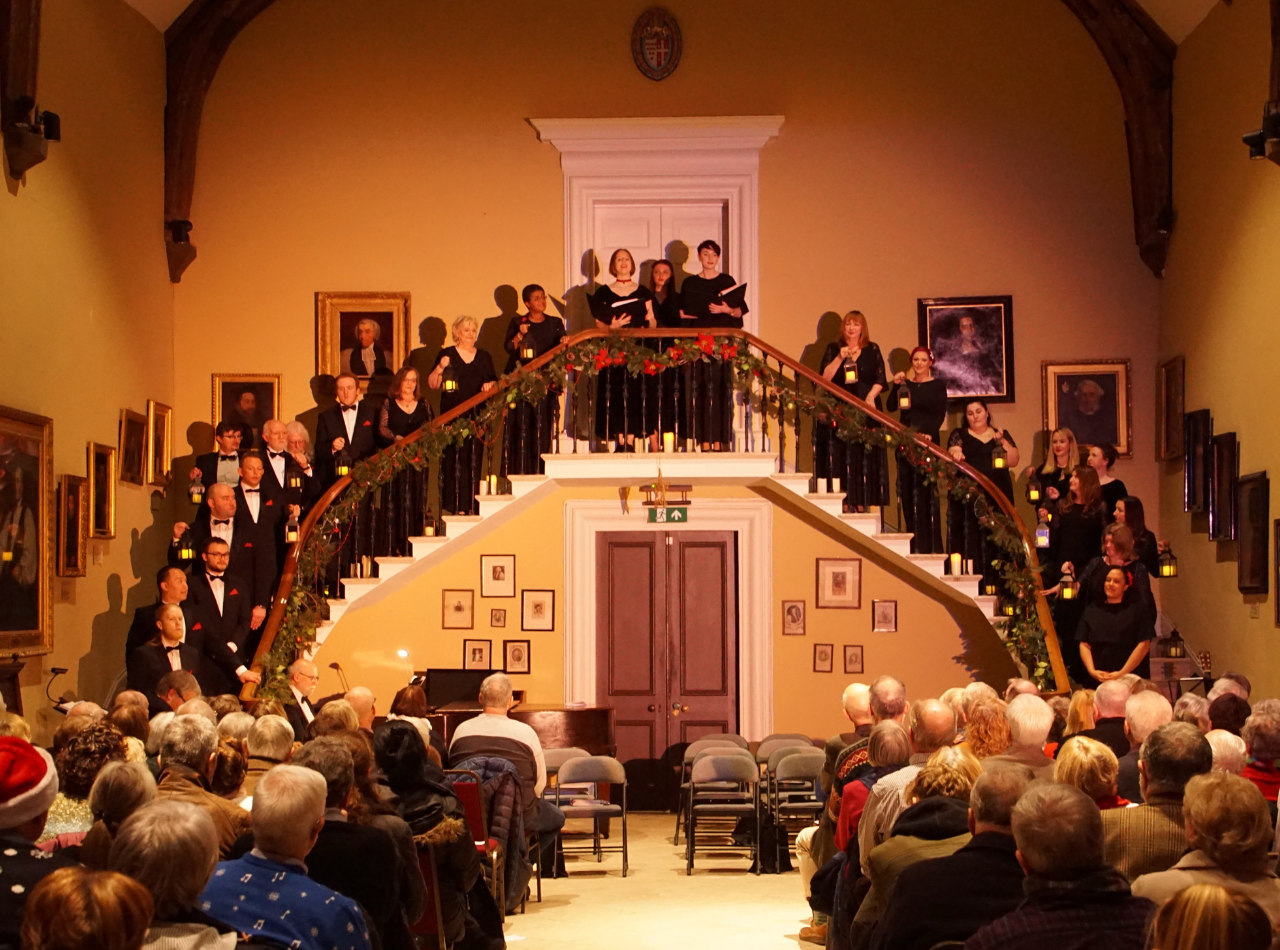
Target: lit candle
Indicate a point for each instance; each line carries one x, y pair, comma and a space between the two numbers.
956, 564
484, 486
668, 441
493, 484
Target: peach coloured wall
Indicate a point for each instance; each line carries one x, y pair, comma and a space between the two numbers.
87, 308
1218, 310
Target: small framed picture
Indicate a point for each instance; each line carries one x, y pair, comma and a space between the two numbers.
1224, 475
538, 610
498, 617
884, 616
824, 657
839, 583
793, 618
458, 609
1197, 454
159, 444
476, 654
1253, 507
515, 656
102, 490
853, 657
73, 525
133, 447
497, 575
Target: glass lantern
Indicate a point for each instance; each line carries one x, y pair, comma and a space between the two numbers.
342, 463
291, 530
1042, 533
904, 398
1035, 489
449, 380
1168, 564
293, 478
186, 548
999, 457
196, 492
1070, 587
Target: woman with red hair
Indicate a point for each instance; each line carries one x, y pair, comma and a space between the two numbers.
855, 365
921, 403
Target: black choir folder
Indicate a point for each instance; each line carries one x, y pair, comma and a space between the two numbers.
697, 303
633, 307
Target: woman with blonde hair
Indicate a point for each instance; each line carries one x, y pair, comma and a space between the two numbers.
855, 365
470, 371
1080, 716
1229, 831
1210, 917
1060, 461
987, 731
1091, 767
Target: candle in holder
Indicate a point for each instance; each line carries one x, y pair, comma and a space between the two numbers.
668, 441
493, 484
484, 486
957, 563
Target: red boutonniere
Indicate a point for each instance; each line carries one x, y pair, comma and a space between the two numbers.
270, 502
197, 627
367, 422
248, 544
234, 593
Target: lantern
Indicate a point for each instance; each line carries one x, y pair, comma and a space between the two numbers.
429, 525
196, 492
342, 463
186, 548
1168, 563
1035, 489
1008, 608
527, 350
989, 588
293, 478
1070, 587
850, 370
450, 381
999, 457
904, 398
1176, 648
1042, 533
291, 529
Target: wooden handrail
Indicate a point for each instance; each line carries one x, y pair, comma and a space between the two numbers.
276, 617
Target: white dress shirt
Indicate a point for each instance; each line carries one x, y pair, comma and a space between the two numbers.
303, 703
224, 531
278, 462
228, 470
252, 500
349, 420
219, 588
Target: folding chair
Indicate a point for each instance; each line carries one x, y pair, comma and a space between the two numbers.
597, 770
690, 754
432, 919
771, 765
795, 794
466, 787
712, 773
733, 737
774, 743
556, 758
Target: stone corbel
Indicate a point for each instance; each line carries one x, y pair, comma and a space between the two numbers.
25, 145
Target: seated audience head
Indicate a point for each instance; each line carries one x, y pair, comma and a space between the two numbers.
84, 755
224, 705
975, 692
994, 795
1089, 765
1229, 751
1228, 819
933, 725
332, 759
954, 698
71, 726
495, 693
888, 744
401, 754
1233, 684
857, 703
11, 724
342, 711
190, 742
1109, 700
86, 708
120, 789
1030, 720
1261, 733
1210, 917
229, 767
949, 773
987, 733
159, 723
1018, 686
271, 737
78, 909
412, 701
131, 721
365, 800
325, 725
1231, 676
288, 812
170, 847
1193, 709
1229, 712
302, 677
1060, 706
1144, 713
268, 707
236, 725
363, 702
131, 697
28, 786
1058, 830
176, 688
888, 699
1169, 758
198, 707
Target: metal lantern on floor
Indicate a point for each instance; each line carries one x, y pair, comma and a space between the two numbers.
342, 463
1168, 564
989, 588
186, 548
196, 492
1035, 489
999, 457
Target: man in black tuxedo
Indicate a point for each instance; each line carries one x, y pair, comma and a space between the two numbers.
302, 683
171, 584
164, 653
224, 464
346, 426
253, 561
223, 613
267, 506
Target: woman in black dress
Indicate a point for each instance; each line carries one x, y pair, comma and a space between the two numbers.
711, 392
404, 500
926, 413
1146, 548
472, 370
1062, 459
624, 303
1114, 638
975, 442
1075, 539
1101, 458
528, 434
666, 310
854, 363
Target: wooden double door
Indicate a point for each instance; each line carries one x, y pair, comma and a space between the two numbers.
666, 649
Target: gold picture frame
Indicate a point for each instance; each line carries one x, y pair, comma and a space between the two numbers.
1092, 398
73, 525
27, 552
228, 392
102, 490
132, 446
338, 313
1171, 407
159, 448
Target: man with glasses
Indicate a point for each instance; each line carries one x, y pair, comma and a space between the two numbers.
302, 683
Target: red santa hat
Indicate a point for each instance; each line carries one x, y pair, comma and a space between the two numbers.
28, 781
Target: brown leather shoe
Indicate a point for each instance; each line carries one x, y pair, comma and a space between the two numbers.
814, 934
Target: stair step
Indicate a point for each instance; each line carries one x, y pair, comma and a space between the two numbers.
830, 502
391, 566
458, 525
490, 505
796, 482
356, 587
935, 564
967, 584
990, 605
337, 608
896, 542
866, 522
521, 485
422, 546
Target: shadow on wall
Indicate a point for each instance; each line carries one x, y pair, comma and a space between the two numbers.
324, 389
432, 335
577, 312
493, 330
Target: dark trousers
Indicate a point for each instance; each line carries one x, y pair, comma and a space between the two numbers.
547, 820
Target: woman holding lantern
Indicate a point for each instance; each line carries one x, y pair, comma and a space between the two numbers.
1060, 461
854, 364
921, 403
527, 434
462, 371
992, 452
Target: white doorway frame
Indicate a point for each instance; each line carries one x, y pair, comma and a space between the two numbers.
752, 520
687, 158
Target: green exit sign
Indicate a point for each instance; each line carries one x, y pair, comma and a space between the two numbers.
668, 515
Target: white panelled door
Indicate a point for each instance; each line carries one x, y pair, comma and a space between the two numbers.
652, 231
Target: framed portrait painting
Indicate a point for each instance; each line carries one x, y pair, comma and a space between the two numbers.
361, 333
73, 525
793, 618
132, 460
1171, 405
1253, 516
27, 532
537, 610
972, 343
457, 609
1091, 398
824, 657
102, 490
159, 449
497, 575
884, 616
476, 654
498, 617
515, 656
839, 583
1197, 452
852, 658
1224, 472
248, 401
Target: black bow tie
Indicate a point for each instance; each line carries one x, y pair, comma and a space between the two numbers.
214, 577
228, 458
348, 408
275, 455
177, 649
216, 521
250, 489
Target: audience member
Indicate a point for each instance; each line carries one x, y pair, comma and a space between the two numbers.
1091, 767
950, 898
75, 908
363, 702
28, 787
1228, 712
1030, 720
120, 789
988, 730
1109, 701
410, 704
1229, 751
236, 725
1060, 706
954, 699
1019, 686
130, 697
267, 892
342, 711
133, 725
302, 683
79, 762
269, 743
1152, 836
171, 849
1193, 709
155, 732
224, 705
1261, 735
888, 750
176, 688
1209, 917
1081, 713
1229, 831
70, 726
975, 692
11, 724
268, 707
229, 769
1144, 713
86, 708
1237, 684
1074, 900
198, 707
187, 760
887, 699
